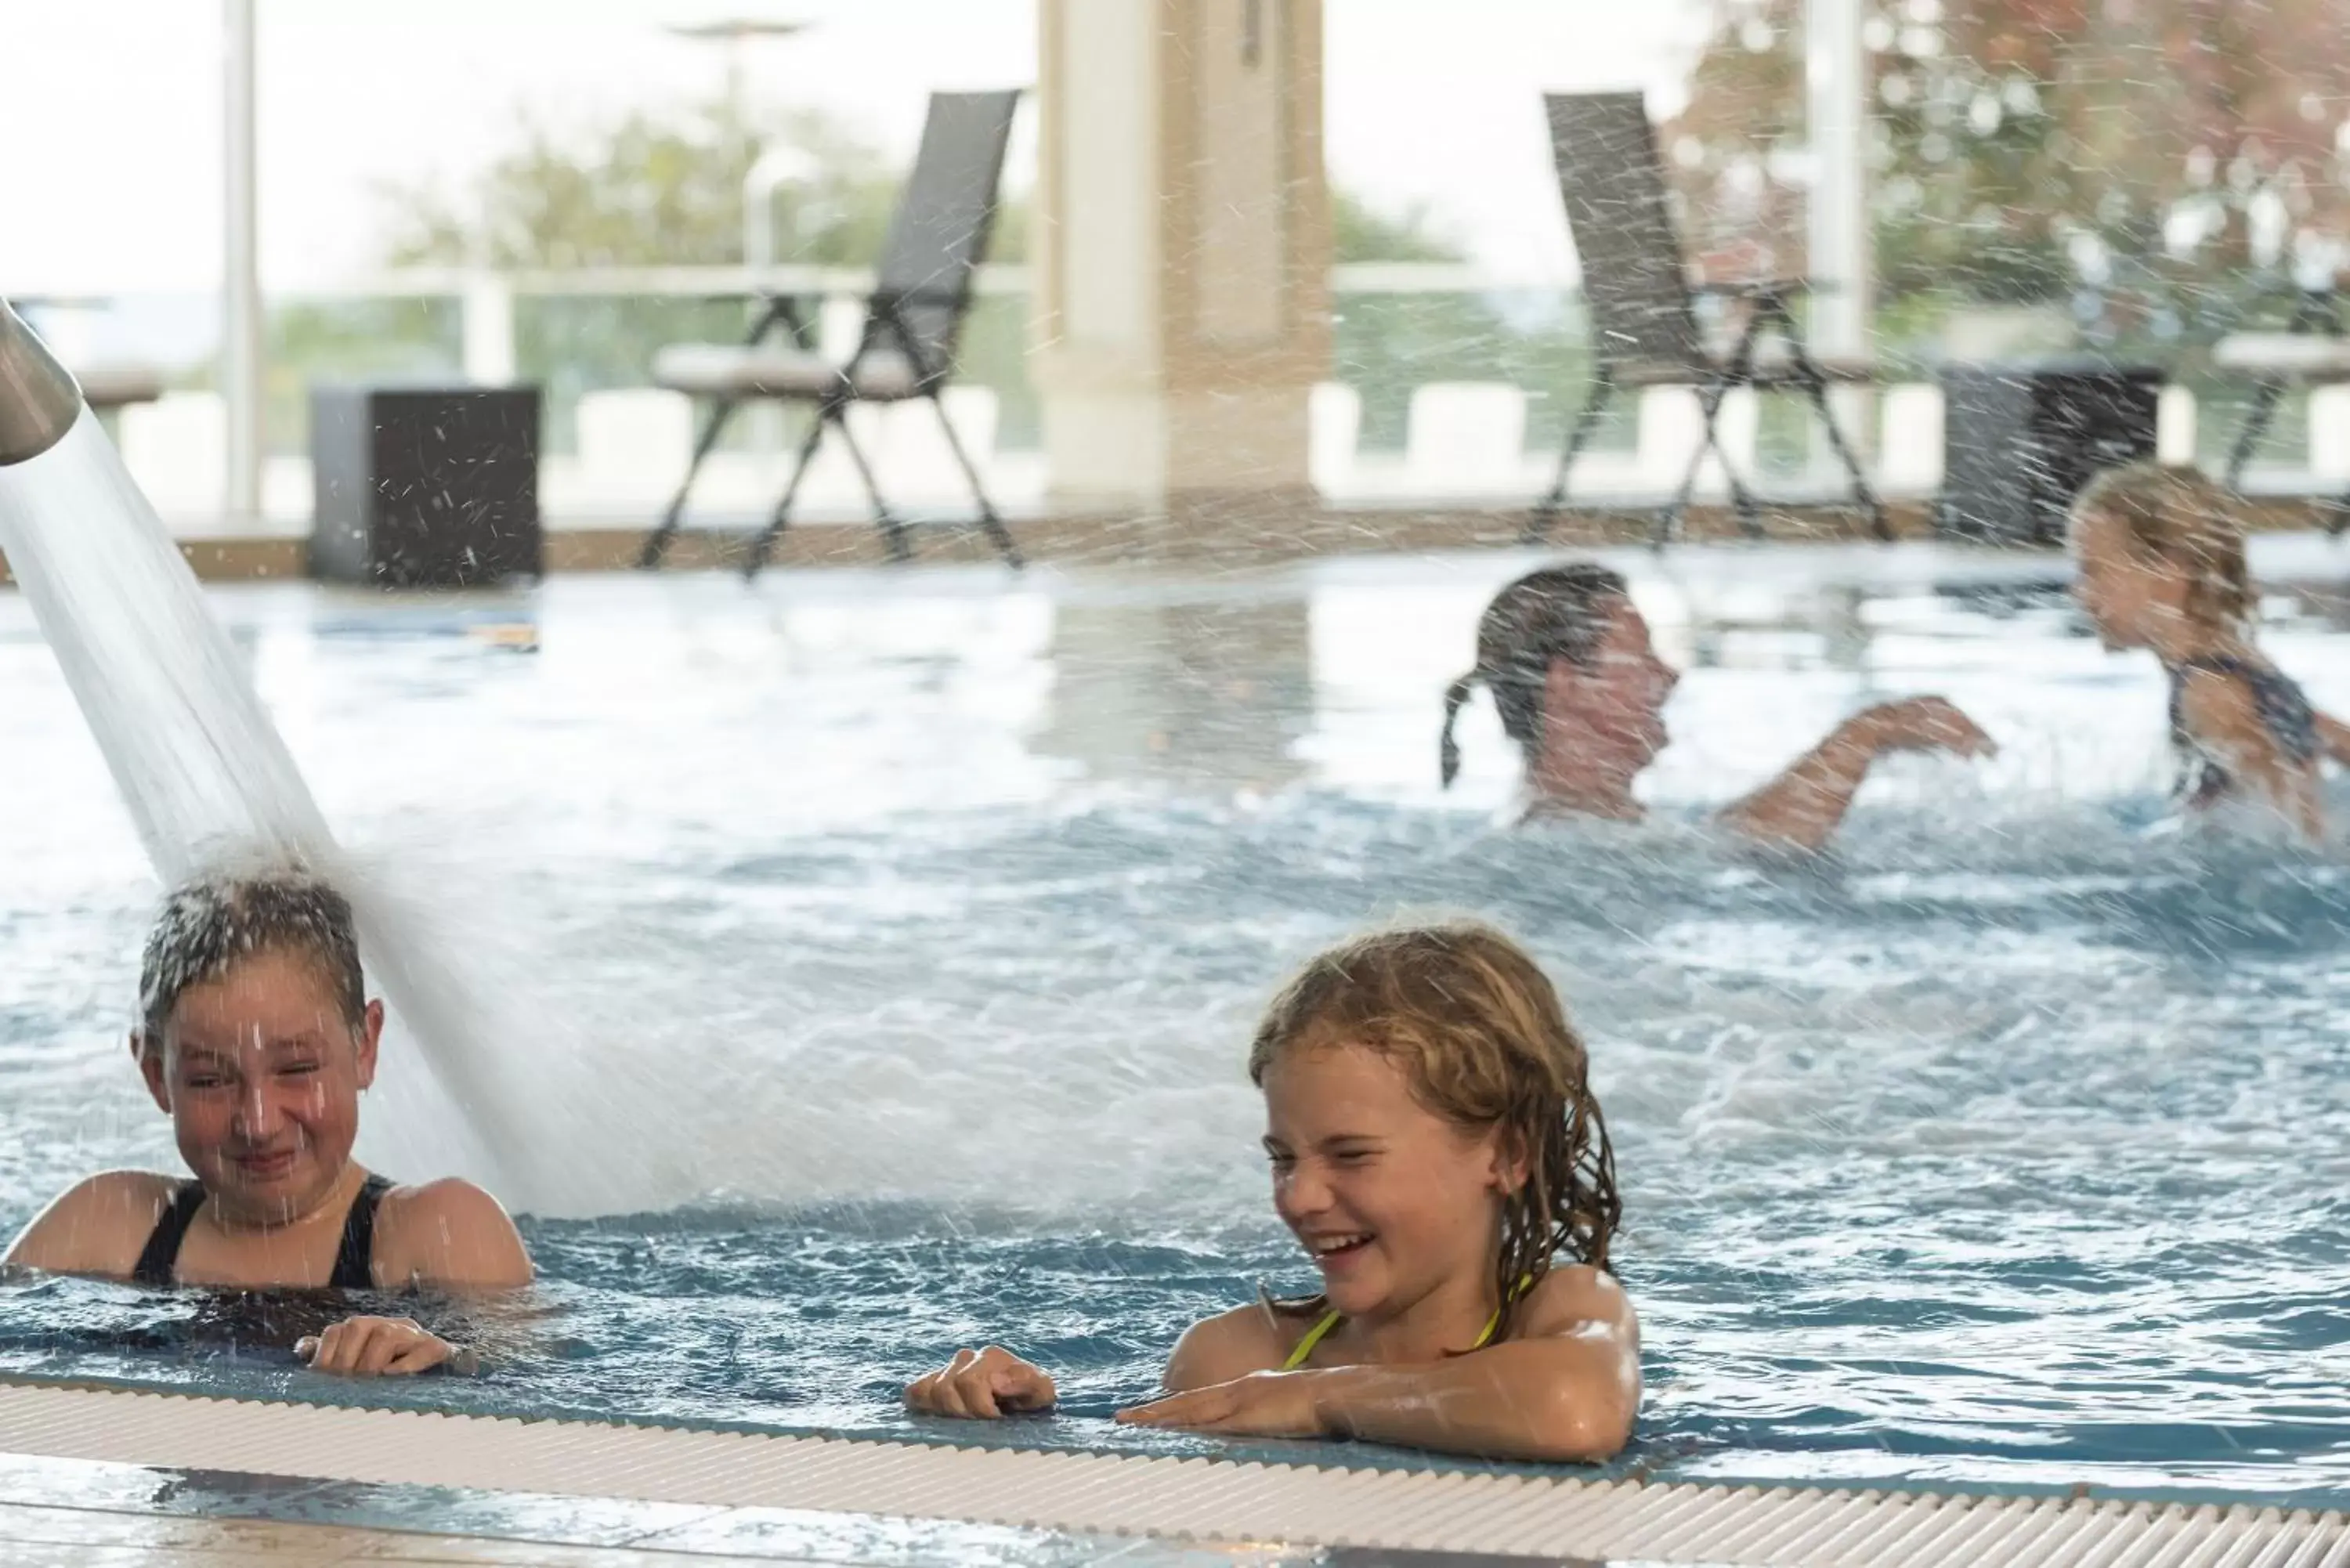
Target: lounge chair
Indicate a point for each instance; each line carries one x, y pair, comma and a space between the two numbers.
922, 290
1643, 319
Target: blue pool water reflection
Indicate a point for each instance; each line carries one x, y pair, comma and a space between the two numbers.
930, 916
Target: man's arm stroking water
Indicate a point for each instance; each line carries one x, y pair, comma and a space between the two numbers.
1805, 805
1581, 688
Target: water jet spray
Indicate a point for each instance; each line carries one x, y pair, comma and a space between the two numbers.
209, 781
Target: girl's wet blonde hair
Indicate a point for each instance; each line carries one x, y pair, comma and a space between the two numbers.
2182, 519
1479, 1029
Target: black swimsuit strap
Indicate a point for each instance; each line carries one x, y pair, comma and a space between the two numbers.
2283, 707
159, 1261
355, 1259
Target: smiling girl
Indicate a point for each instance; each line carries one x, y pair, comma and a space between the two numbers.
1436, 1151
257, 1038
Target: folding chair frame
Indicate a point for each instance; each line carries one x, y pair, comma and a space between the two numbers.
831, 413
1768, 308
2316, 312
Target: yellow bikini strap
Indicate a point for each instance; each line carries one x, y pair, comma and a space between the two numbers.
1312, 1337
1330, 1320
1525, 1283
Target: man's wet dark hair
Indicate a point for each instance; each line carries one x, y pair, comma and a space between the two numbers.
208, 926
1559, 612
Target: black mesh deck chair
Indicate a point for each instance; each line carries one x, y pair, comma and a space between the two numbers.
1644, 328
922, 290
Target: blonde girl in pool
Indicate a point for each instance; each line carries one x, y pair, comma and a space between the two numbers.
2161, 566
1437, 1150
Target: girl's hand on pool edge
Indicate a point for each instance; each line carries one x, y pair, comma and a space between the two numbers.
375, 1347
1261, 1404
983, 1386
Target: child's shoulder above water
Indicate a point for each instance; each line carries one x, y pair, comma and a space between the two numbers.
448, 1234
96, 1226
1264, 1335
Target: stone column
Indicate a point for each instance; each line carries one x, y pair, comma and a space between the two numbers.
1182, 255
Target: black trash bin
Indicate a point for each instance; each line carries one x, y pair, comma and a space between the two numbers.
425, 487
2021, 436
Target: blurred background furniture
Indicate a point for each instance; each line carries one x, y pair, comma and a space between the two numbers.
421, 486
1644, 326
2021, 436
922, 291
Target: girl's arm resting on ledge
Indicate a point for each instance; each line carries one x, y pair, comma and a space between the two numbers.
1804, 807
1566, 1387
1567, 1396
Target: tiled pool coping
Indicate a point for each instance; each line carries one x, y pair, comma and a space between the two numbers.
1072, 1507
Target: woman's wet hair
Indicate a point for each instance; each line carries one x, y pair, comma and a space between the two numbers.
1559, 612
210, 925
1479, 1029
2184, 519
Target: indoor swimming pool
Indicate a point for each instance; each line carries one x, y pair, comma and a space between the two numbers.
886, 947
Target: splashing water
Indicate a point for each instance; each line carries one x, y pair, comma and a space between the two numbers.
207, 778
2002, 1147
198, 764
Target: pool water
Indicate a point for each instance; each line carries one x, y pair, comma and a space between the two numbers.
896, 939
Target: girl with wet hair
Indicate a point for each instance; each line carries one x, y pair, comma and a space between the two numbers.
2161, 558
1438, 1152
1576, 678
256, 1037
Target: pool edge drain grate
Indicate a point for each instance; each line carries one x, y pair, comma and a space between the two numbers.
1188, 1499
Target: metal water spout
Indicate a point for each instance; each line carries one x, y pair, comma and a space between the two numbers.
38, 400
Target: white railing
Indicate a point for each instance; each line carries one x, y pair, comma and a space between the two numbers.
1464, 445
1465, 441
